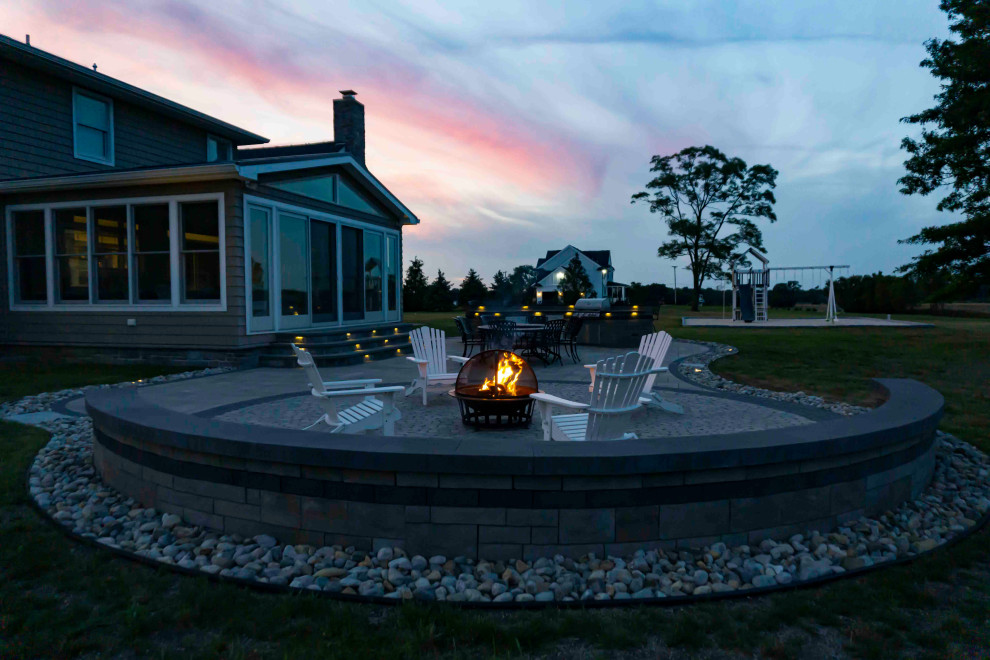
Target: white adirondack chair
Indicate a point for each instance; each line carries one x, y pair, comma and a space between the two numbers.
654, 346
430, 355
375, 410
614, 397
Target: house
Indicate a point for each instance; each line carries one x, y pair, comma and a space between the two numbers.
135, 225
597, 263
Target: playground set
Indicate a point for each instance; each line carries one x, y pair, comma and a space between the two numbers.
751, 289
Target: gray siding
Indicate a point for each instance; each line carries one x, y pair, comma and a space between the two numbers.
195, 330
36, 130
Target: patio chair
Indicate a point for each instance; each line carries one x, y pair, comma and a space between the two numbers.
552, 340
500, 334
616, 395
569, 338
430, 356
655, 346
488, 318
375, 410
469, 338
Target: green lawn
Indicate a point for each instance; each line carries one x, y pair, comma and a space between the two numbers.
839, 363
439, 320
19, 378
60, 599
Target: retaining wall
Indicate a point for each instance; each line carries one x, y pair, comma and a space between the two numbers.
480, 497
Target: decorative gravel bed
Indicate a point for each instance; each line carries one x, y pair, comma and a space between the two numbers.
64, 484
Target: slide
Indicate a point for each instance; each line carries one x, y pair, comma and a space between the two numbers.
746, 311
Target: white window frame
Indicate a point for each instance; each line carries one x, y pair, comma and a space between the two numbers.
340, 221
175, 304
76, 92
219, 140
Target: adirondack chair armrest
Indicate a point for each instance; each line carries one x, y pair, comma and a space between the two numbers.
551, 400
347, 384
391, 389
417, 360
458, 358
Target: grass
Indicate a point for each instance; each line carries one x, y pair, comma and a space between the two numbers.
61, 599
21, 378
840, 363
439, 320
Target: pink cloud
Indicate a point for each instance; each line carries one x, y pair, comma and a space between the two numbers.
287, 70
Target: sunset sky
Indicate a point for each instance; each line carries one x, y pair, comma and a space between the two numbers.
512, 127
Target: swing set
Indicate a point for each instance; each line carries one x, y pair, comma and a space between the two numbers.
751, 289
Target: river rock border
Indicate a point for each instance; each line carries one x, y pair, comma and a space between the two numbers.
65, 486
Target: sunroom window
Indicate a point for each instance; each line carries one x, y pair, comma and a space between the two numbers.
317, 187
30, 271
152, 253
200, 251
71, 255
110, 253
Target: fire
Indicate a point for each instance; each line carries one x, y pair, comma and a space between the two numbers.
510, 367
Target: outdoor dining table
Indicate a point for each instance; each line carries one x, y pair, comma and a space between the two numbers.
530, 348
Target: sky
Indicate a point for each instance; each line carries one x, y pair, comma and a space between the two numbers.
514, 127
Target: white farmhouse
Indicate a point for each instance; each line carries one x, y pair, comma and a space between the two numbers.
597, 263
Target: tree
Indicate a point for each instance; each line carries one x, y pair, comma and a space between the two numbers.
785, 294
501, 288
700, 191
523, 279
648, 294
575, 282
415, 287
440, 296
473, 289
955, 152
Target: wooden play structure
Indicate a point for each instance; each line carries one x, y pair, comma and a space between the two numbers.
751, 289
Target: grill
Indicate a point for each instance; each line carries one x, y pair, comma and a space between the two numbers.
591, 308
493, 389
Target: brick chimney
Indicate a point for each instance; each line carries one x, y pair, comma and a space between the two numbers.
348, 123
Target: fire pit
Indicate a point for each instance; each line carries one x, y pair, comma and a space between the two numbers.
493, 390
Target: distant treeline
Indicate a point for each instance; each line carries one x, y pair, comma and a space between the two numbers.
876, 293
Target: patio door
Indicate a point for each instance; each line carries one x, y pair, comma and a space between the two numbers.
260, 268
323, 269
374, 276
293, 253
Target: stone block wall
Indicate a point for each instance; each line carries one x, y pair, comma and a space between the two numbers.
501, 516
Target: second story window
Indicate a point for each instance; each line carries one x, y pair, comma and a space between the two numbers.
218, 149
92, 130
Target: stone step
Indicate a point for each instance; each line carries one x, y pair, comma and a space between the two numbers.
340, 356
341, 336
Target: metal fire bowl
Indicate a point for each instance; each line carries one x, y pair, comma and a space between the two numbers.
483, 411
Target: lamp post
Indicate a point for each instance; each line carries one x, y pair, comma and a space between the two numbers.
604, 289
675, 283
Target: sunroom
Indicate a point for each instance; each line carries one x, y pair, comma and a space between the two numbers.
333, 259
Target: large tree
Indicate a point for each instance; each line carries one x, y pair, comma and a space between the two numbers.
954, 151
501, 288
440, 295
575, 282
700, 192
415, 287
523, 279
473, 290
